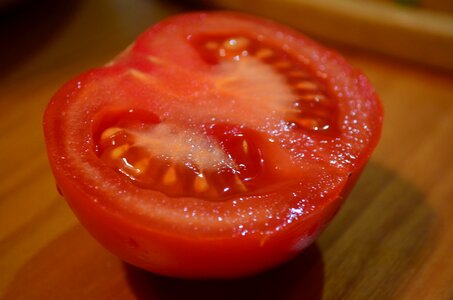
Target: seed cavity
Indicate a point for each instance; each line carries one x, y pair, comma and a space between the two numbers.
312, 108
178, 162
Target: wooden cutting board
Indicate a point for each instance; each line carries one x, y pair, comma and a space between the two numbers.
421, 32
393, 239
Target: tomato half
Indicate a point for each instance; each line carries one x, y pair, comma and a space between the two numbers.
217, 145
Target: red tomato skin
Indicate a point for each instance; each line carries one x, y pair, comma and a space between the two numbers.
188, 256
185, 257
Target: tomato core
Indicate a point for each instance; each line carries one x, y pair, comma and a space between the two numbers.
215, 162
313, 109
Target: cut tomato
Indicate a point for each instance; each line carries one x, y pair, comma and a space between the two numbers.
216, 145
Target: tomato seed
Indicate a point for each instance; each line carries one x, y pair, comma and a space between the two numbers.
264, 53
119, 151
297, 74
141, 165
314, 124
312, 97
282, 65
236, 43
310, 124
169, 177
200, 184
306, 85
245, 146
142, 76
240, 186
155, 60
110, 132
211, 45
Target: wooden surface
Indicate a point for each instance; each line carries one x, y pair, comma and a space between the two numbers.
393, 239
413, 32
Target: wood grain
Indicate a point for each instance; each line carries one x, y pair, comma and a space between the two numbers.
404, 31
393, 239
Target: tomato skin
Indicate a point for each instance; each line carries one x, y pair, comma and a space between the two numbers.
169, 255
186, 252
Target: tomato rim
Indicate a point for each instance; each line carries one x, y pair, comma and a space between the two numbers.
54, 133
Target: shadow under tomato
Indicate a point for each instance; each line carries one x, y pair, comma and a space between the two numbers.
75, 266
27, 27
301, 278
385, 230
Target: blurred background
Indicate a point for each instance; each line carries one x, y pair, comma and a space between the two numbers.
414, 30
392, 239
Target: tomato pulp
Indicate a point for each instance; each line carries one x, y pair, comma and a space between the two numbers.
217, 145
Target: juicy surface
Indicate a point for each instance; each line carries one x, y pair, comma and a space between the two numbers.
249, 81
170, 78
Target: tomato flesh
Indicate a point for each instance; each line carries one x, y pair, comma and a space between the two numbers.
311, 110
217, 145
312, 107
